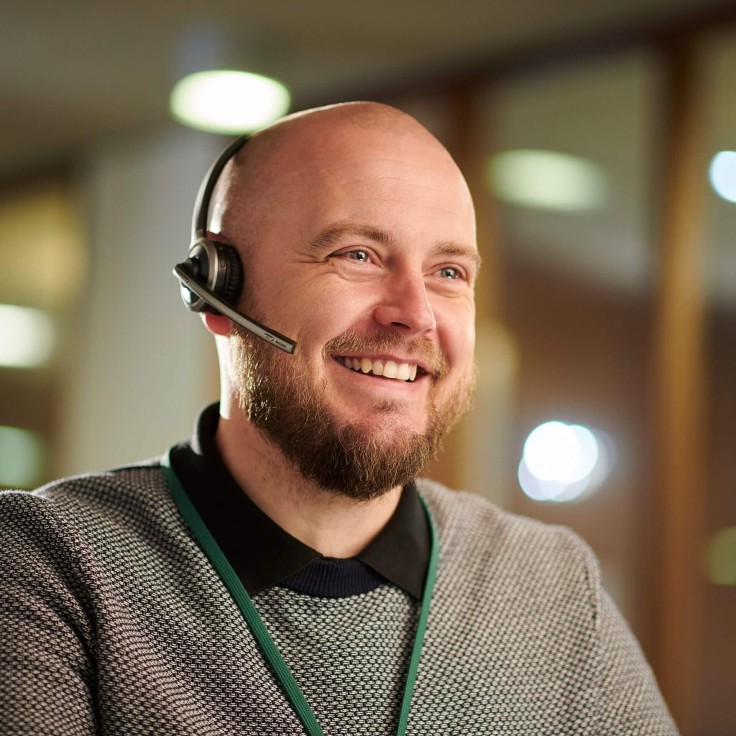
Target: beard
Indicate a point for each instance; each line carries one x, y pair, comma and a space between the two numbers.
276, 393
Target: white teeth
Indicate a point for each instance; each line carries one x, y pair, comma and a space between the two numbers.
389, 369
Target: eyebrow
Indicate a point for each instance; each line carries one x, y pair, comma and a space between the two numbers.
451, 249
333, 234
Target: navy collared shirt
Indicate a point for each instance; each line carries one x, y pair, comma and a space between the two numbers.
265, 555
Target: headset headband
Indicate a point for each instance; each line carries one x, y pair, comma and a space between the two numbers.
200, 218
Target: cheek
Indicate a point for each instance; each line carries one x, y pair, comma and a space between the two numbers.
469, 341
457, 332
329, 312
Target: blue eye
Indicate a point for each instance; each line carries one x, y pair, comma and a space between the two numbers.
358, 255
448, 272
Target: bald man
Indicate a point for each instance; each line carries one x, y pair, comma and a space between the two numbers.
284, 571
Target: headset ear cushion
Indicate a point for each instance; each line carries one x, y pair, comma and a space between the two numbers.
231, 288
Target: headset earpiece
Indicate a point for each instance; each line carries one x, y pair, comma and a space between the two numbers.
233, 279
217, 266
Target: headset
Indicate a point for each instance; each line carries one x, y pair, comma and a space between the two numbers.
211, 278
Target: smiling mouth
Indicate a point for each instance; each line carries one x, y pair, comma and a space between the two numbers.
383, 368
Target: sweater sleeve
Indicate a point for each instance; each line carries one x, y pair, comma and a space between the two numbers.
46, 670
631, 703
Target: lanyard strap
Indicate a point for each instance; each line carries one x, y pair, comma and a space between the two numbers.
258, 627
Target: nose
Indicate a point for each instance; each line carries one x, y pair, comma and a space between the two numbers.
404, 305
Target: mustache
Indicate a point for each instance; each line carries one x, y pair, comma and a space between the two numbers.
363, 341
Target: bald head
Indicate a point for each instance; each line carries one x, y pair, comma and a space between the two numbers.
366, 115
301, 131
255, 186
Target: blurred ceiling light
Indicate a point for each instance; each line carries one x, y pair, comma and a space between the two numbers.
562, 461
721, 557
21, 457
231, 102
723, 175
547, 180
26, 336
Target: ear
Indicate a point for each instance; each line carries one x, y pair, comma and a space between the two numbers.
217, 324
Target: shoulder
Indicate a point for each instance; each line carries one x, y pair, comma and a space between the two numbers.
85, 504
485, 543
469, 515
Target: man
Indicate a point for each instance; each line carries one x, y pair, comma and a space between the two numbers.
282, 572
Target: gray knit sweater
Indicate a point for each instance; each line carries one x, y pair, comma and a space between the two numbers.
114, 622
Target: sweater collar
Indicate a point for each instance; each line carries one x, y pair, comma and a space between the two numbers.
265, 555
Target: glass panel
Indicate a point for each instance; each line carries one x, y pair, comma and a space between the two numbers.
571, 173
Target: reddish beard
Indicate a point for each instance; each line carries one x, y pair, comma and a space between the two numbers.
278, 396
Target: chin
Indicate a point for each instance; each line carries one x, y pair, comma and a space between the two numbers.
384, 420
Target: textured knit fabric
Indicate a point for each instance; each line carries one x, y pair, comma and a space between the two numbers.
114, 622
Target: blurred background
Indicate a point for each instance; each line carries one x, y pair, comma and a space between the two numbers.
599, 139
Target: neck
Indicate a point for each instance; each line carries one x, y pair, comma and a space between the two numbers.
334, 525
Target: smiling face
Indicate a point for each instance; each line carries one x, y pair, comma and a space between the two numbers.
360, 245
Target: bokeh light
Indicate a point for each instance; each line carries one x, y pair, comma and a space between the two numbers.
229, 102
721, 557
27, 336
21, 457
547, 180
561, 462
722, 174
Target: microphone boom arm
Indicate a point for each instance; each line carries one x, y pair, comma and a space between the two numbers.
270, 336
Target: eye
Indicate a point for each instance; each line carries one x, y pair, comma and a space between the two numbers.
357, 255
451, 273
356, 263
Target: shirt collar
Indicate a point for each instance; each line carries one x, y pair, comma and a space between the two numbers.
261, 552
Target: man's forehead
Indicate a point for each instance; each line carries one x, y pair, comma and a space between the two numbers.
356, 170
351, 156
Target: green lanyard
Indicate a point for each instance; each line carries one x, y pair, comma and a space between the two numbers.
258, 628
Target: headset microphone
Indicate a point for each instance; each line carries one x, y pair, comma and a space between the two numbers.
212, 276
